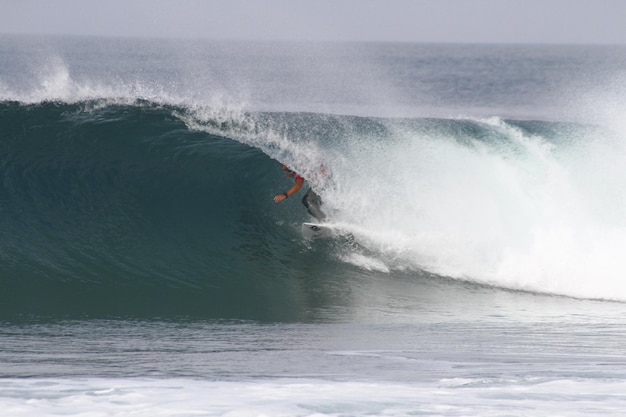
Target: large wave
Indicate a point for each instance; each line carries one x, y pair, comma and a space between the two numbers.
149, 208
138, 176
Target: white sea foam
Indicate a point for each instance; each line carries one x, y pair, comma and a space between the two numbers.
525, 211
183, 397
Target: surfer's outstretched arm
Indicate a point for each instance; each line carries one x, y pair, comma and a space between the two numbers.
294, 189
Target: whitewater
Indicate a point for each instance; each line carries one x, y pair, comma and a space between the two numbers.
145, 269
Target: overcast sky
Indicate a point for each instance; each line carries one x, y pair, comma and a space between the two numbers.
476, 21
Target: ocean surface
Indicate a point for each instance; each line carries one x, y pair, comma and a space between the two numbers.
478, 198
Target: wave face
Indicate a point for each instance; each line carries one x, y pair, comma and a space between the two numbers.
102, 205
144, 208
137, 177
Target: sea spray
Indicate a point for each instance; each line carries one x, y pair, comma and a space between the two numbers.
490, 201
515, 204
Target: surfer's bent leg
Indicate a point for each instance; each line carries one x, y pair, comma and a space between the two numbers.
313, 202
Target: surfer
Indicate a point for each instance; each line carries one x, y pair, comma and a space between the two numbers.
311, 200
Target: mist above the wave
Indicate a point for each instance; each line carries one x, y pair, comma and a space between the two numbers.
366, 79
317, 77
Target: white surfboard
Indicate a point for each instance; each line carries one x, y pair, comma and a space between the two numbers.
312, 231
